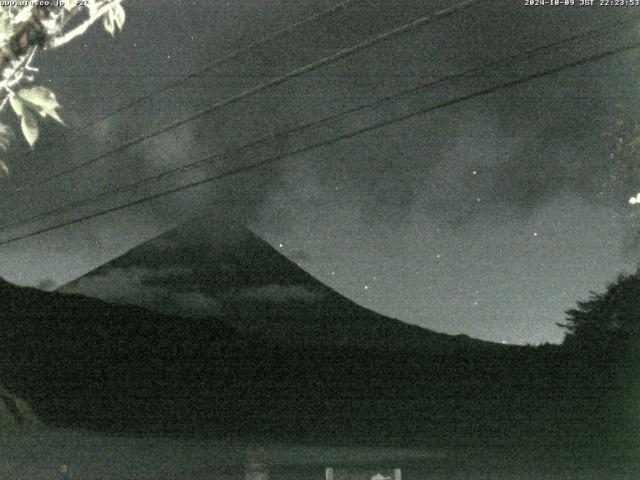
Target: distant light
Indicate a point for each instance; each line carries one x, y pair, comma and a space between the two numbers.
280, 245
333, 273
438, 255
475, 172
366, 287
535, 234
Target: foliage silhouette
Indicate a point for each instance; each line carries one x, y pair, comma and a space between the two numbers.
602, 362
607, 320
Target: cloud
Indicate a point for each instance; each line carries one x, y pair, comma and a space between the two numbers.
130, 286
275, 293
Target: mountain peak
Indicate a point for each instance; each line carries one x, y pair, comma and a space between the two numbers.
255, 288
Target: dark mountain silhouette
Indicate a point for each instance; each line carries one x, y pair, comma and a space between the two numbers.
80, 360
260, 292
83, 362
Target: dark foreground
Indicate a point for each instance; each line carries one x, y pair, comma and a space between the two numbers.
91, 456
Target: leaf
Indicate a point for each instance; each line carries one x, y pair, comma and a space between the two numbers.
32, 100
41, 100
40, 97
119, 15
29, 126
108, 22
56, 117
93, 7
22, 15
17, 104
6, 27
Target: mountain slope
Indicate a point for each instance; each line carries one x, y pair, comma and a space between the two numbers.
257, 290
81, 362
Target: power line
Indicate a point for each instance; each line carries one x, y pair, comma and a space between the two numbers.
221, 61
344, 53
345, 136
517, 57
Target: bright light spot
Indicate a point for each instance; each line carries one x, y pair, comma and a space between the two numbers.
535, 234
333, 274
438, 255
366, 287
280, 245
635, 200
475, 172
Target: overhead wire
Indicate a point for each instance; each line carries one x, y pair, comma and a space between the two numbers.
218, 62
341, 54
376, 126
517, 57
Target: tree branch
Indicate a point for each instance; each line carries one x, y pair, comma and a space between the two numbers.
28, 35
80, 29
33, 32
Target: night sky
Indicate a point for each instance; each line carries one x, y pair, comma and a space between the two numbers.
489, 217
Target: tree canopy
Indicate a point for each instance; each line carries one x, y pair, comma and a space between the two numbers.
609, 320
24, 30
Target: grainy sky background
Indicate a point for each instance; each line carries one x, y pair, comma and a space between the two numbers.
489, 217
